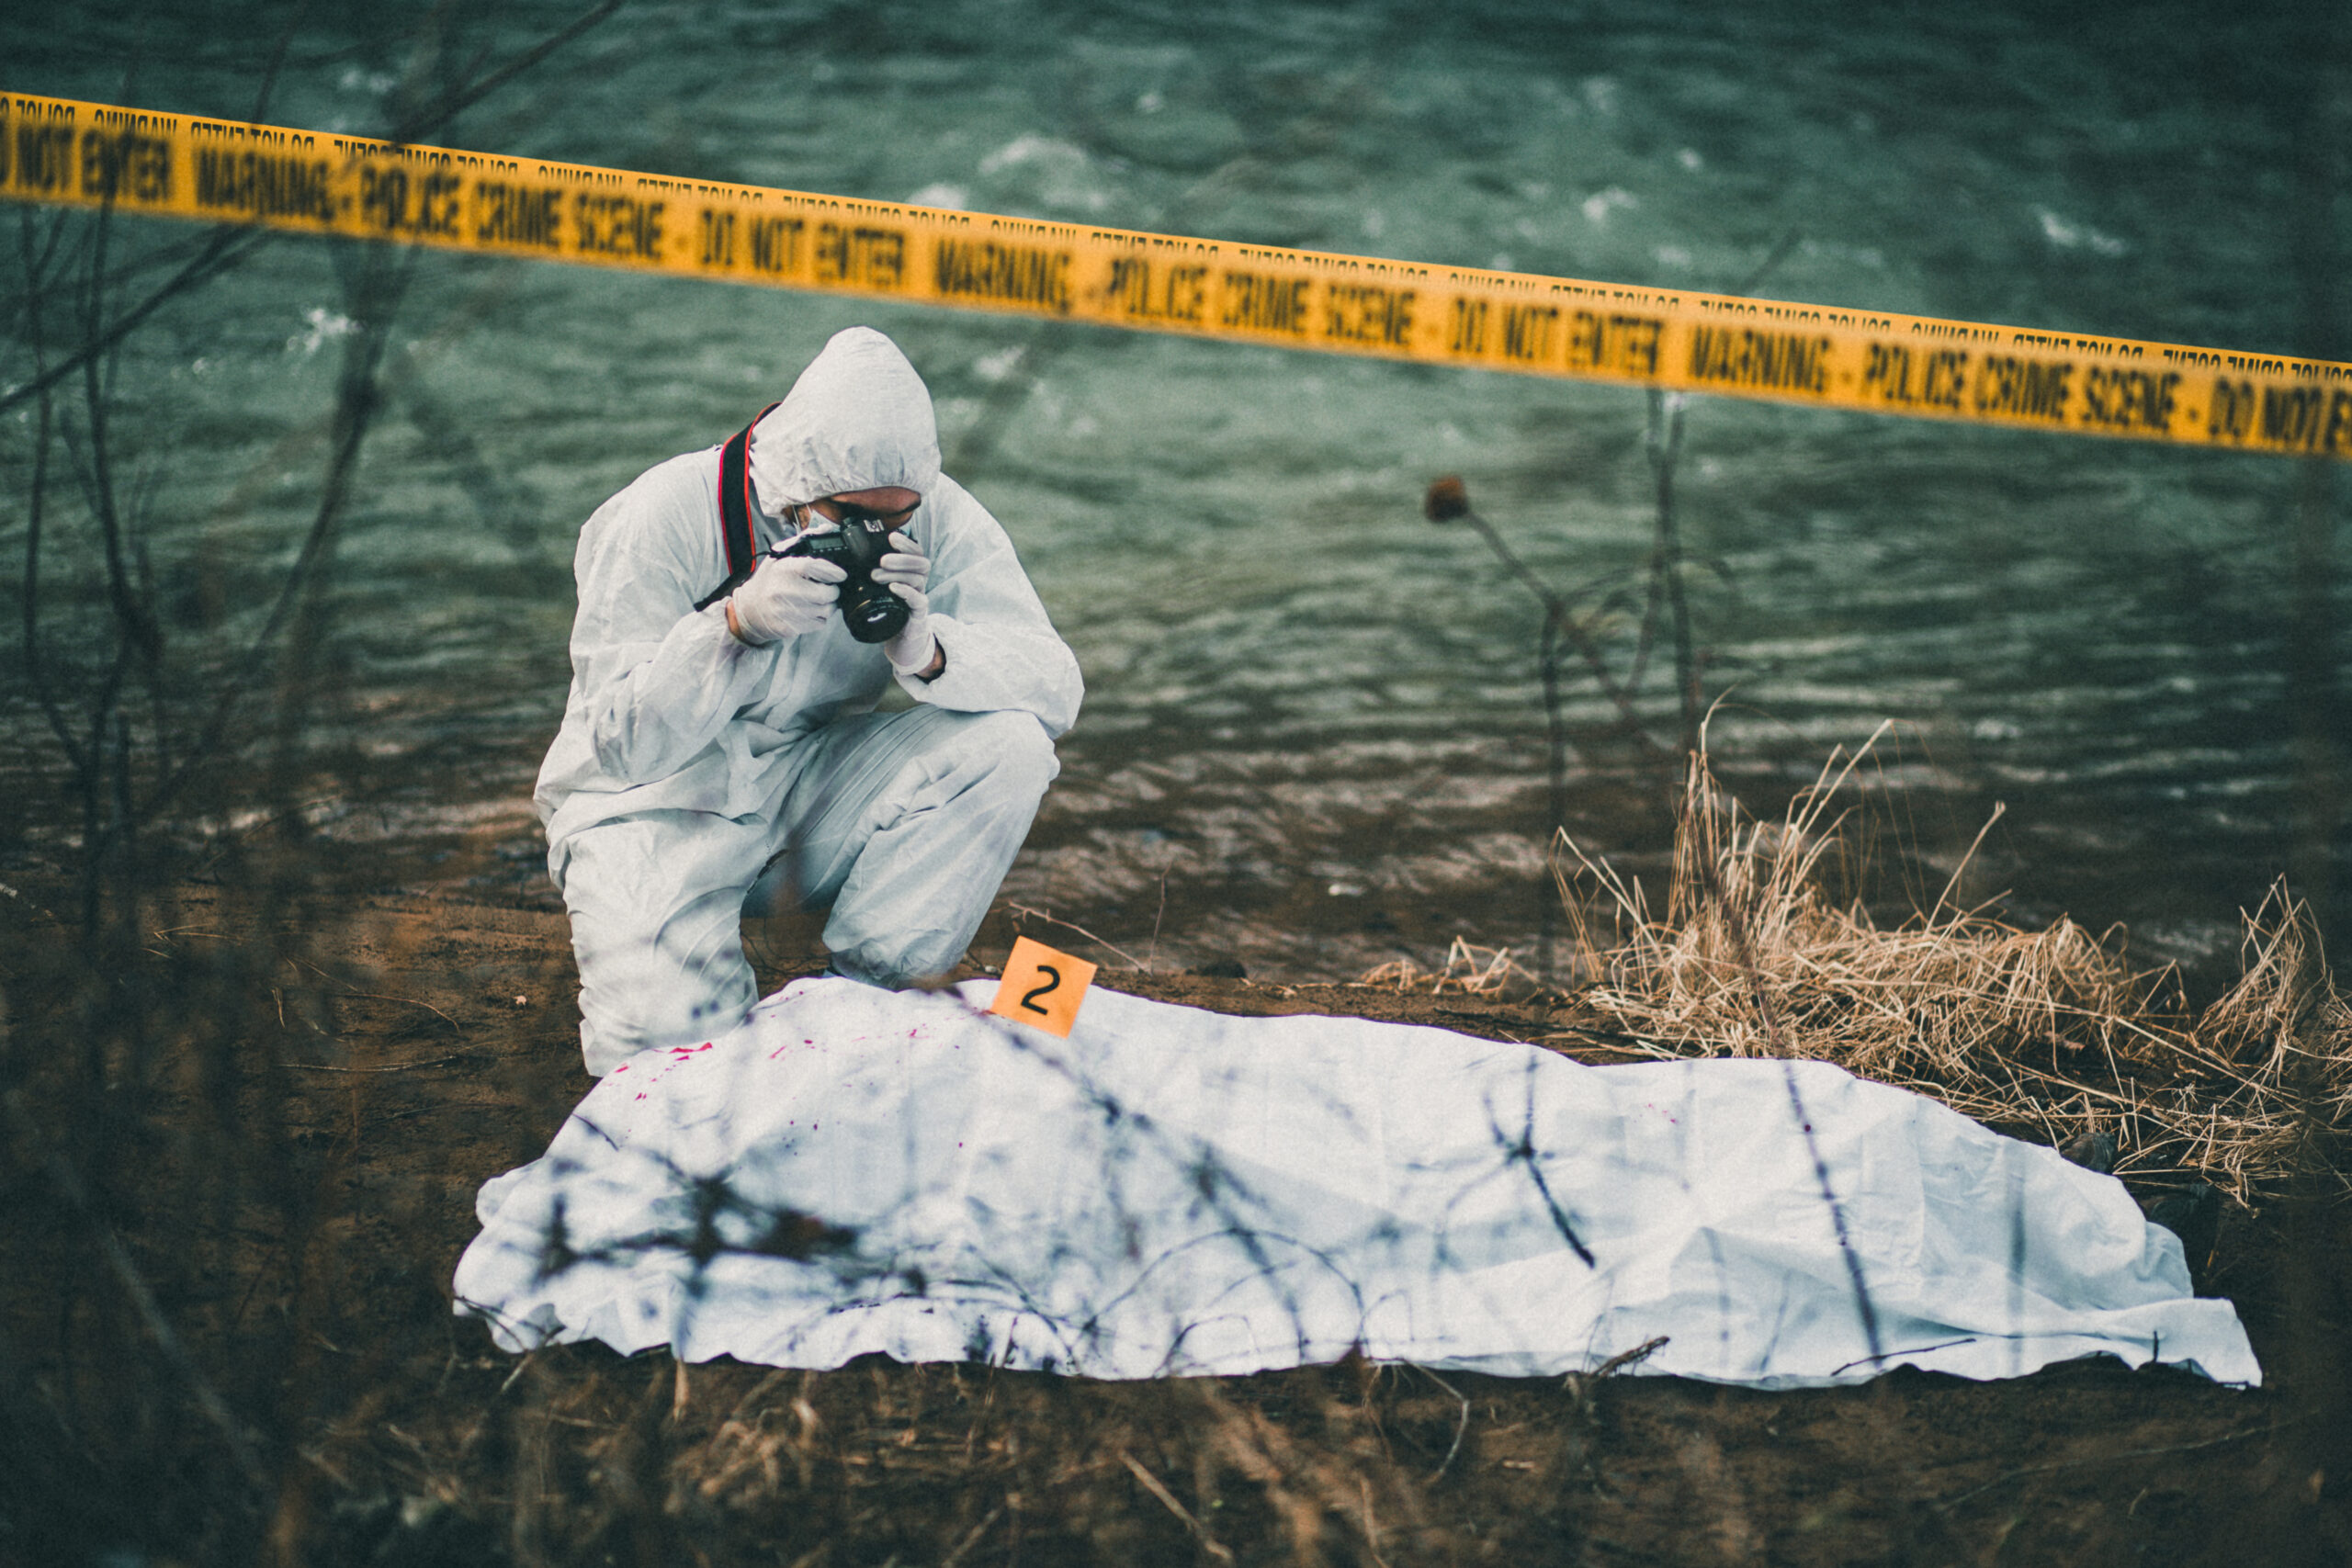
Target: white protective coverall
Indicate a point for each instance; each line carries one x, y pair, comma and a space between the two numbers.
688, 759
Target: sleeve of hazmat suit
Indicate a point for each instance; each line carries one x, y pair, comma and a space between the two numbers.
655, 683
1002, 653
665, 676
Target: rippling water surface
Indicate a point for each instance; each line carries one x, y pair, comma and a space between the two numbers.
1314, 736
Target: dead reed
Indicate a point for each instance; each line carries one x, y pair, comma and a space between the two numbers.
583, 1457
2048, 1033
1469, 970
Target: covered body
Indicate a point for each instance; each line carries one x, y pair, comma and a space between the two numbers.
1174, 1190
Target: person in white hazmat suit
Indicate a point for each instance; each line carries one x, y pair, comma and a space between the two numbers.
702, 747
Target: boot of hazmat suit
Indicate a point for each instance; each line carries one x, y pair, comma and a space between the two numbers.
696, 752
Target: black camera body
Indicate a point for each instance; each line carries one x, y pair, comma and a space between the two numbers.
857, 544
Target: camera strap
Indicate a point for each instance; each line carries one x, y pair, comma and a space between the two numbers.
735, 511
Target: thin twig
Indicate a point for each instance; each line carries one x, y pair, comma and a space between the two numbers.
1951, 1503
1071, 925
972, 1539
378, 995
1460, 1426
231, 242
1167, 1500
1151, 955
434, 116
1974, 844
410, 1001
228, 245
142, 1299
1634, 1357
1763, 269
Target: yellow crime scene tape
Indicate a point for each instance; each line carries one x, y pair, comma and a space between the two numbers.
64, 150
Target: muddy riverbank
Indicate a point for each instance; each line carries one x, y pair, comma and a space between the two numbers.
294, 1222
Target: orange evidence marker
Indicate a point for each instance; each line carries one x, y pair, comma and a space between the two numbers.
1042, 988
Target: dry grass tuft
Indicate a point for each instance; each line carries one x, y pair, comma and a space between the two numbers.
2048, 1033
1470, 971
591, 1459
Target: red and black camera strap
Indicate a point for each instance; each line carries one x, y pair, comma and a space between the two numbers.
735, 511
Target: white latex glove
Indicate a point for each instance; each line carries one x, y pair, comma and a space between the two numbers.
787, 596
904, 572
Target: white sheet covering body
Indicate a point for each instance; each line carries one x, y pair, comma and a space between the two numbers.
1175, 1190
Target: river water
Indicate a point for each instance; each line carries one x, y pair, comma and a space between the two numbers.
1314, 734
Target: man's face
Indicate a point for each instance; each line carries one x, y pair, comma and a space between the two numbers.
892, 506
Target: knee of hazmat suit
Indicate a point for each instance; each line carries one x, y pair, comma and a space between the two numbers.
673, 720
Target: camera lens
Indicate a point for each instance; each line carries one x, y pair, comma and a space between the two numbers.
873, 613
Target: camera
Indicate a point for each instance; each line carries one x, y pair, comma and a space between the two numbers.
856, 545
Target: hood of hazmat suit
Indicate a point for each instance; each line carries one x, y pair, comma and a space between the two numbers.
858, 418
